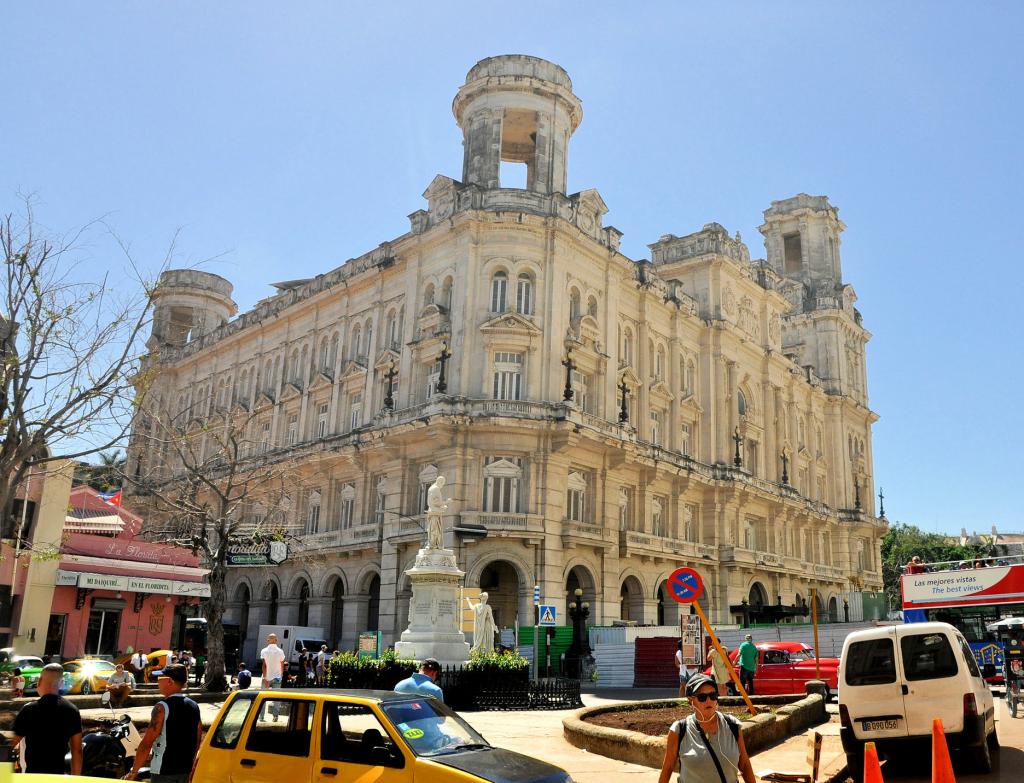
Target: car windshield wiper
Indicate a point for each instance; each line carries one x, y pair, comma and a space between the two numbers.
468, 746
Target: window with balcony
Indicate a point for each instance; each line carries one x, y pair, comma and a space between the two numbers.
659, 508
433, 376
508, 376
313, 513
581, 389
685, 436
576, 497
502, 479
346, 506
499, 292
656, 431
321, 420
292, 430
355, 411
380, 501
264, 437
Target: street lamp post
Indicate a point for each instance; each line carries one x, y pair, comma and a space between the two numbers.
579, 651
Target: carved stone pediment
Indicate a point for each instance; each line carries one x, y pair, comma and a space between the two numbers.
511, 324
660, 389
321, 380
239, 407
385, 358
290, 391
263, 400
630, 377
352, 369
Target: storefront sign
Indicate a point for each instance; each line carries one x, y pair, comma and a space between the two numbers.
257, 553
102, 582
137, 585
66, 578
199, 589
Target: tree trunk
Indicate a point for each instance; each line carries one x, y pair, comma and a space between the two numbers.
214, 679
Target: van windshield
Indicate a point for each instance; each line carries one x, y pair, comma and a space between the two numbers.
871, 662
927, 656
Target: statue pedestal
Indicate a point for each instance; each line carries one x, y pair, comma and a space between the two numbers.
434, 610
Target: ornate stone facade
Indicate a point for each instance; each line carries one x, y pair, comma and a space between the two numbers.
720, 366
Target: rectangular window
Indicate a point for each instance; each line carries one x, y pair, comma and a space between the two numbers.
347, 506
351, 733
282, 727
355, 407
321, 421
433, 376
656, 427
292, 436
229, 728
793, 256
507, 376
379, 507
927, 656
101, 634
54, 633
264, 437
872, 662
313, 519
581, 386
684, 439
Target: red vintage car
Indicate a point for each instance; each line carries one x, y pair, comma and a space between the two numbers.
784, 667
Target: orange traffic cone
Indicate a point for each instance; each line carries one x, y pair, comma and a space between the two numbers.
872, 769
942, 767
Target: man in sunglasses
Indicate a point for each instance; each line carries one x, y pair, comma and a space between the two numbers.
707, 745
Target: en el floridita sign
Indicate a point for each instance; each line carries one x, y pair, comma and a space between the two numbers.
257, 553
131, 584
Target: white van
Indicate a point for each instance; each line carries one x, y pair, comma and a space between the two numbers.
894, 681
293, 639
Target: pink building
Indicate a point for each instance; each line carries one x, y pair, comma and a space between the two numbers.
115, 591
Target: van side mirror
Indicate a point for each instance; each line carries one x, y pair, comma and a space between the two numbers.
988, 670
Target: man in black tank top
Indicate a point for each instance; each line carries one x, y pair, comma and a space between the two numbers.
174, 733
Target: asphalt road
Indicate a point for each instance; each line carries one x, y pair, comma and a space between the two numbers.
915, 765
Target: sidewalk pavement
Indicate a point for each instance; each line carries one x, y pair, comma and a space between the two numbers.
539, 734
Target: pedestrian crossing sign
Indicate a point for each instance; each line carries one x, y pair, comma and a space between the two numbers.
547, 615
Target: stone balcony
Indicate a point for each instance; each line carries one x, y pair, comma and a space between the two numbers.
632, 542
504, 525
584, 533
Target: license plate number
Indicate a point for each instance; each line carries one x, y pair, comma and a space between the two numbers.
881, 725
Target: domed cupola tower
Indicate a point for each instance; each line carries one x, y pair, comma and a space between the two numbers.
187, 304
520, 109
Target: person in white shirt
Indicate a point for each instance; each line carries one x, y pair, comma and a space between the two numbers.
272, 663
138, 663
684, 672
321, 665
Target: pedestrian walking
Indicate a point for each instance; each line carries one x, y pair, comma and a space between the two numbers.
748, 664
272, 663
707, 745
681, 668
50, 726
720, 670
175, 732
423, 682
321, 666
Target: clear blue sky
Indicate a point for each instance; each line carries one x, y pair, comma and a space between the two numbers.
284, 138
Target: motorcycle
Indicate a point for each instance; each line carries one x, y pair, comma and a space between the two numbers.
110, 752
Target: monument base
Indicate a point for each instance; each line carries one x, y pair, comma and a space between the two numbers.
434, 610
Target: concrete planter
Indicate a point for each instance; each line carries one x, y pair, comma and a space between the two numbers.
792, 715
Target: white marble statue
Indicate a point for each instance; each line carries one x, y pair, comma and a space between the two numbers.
435, 509
484, 630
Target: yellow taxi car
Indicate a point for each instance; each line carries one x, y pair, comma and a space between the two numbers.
155, 661
316, 736
88, 675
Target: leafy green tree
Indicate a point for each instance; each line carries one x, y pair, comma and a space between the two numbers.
903, 542
107, 476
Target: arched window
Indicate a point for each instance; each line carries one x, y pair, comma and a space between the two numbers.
333, 357
502, 479
574, 304
741, 403
392, 330
659, 364
592, 307
499, 292
428, 295
627, 347
293, 367
325, 354
524, 295
367, 338
446, 293
690, 384
303, 366
356, 337
268, 376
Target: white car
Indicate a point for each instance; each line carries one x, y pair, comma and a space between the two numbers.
894, 681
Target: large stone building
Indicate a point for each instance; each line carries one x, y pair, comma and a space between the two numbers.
718, 415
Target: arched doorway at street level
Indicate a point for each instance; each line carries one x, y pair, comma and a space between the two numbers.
273, 597
337, 616
302, 608
833, 610
242, 598
631, 595
373, 607
500, 581
668, 608
580, 578
757, 597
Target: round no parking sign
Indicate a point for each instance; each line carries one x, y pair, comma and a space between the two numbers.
685, 585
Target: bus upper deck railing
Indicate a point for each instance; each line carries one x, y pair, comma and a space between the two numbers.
955, 565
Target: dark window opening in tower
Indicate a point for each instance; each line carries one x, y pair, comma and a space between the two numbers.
180, 326
518, 148
792, 253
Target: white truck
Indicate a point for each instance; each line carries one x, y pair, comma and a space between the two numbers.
293, 639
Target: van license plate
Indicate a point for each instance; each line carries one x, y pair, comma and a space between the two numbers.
881, 725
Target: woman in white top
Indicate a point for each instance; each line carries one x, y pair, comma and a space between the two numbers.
706, 747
